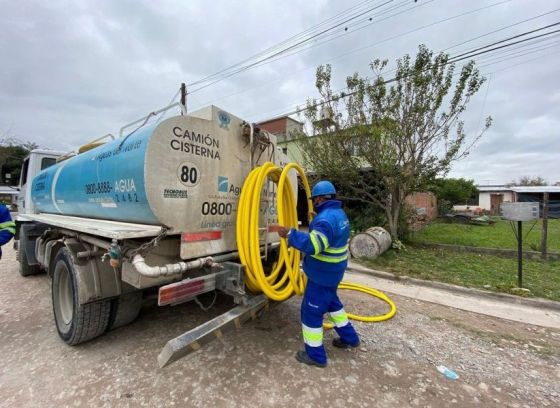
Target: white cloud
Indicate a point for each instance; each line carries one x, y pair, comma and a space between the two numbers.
72, 71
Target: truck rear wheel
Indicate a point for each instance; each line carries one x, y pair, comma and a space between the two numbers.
75, 323
24, 268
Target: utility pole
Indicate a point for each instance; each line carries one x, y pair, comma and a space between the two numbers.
184, 98
544, 233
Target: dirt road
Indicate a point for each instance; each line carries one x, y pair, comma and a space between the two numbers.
500, 363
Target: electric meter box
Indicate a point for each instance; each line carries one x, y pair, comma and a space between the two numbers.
520, 211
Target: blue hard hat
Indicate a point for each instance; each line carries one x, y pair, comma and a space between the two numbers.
322, 188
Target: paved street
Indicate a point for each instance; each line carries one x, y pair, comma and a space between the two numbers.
500, 362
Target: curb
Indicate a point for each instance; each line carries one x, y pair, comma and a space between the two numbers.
538, 303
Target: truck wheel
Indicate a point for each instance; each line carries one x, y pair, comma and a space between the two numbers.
75, 323
124, 309
24, 268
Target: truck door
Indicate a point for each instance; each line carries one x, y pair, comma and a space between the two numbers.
22, 198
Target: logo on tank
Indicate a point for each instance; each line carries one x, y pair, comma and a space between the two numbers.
224, 119
224, 186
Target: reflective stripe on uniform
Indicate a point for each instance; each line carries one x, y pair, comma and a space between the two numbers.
337, 250
313, 240
331, 259
322, 237
10, 226
312, 336
339, 318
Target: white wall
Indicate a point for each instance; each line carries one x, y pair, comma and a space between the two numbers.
484, 201
484, 198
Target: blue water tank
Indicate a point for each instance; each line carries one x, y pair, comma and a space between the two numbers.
185, 173
106, 182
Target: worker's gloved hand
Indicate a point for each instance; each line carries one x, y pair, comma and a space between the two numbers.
281, 230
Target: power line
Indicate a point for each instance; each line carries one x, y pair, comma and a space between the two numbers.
316, 44
276, 53
501, 29
519, 52
454, 59
525, 62
286, 41
474, 54
268, 59
510, 38
400, 35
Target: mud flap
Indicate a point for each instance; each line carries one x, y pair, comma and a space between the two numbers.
194, 339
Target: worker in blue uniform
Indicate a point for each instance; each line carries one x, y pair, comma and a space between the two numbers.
325, 250
7, 227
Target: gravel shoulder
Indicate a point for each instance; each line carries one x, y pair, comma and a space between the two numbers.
500, 363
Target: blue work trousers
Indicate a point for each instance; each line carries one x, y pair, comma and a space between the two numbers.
318, 300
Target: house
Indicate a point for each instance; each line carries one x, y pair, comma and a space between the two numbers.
288, 132
284, 128
490, 197
536, 194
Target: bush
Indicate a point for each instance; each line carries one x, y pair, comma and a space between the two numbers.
364, 217
444, 206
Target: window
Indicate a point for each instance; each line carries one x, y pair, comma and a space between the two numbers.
47, 162
23, 177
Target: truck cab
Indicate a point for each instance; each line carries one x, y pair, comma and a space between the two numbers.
37, 160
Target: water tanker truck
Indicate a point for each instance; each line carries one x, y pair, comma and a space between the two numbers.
149, 212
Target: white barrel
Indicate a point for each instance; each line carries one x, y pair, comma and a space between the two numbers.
371, 243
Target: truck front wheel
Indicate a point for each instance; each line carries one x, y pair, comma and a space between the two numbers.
75, 323
24, 268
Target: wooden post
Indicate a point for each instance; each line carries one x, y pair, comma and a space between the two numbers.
544, 233
519, 254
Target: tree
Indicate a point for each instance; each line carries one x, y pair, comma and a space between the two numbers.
529, 181
12, 153
11, 158
454, 190
406, 130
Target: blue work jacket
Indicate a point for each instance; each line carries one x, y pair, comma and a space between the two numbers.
325, 247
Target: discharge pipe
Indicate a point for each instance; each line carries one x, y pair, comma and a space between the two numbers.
144, 269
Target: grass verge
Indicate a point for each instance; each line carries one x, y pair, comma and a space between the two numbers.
488, 272
498, 235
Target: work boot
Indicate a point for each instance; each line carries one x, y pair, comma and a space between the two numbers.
302, 357
337, 342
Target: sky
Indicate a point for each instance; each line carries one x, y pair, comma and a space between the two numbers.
72, 71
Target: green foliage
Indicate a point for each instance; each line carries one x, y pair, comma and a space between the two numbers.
363, 217
398, 245
11, 159
444, 206
405, 131
455, 191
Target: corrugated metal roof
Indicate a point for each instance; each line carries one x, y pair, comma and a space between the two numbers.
536, 189
520, 189
487, 189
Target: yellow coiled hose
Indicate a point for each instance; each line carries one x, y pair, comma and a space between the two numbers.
286, 278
